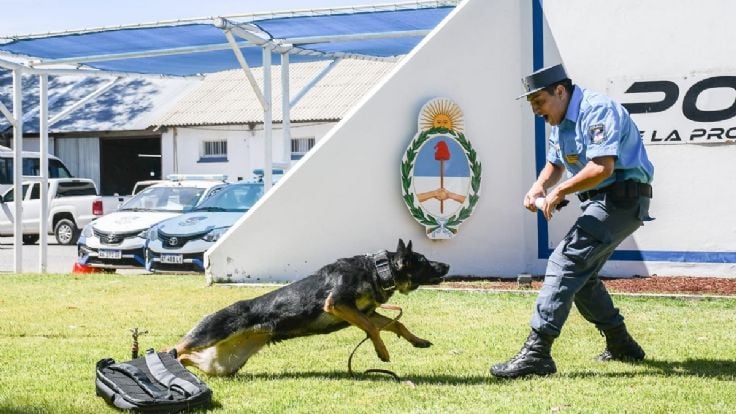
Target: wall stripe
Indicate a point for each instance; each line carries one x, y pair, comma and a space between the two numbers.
674, 256
539, 130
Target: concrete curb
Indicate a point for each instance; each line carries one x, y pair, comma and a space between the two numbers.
535, 291
516, 291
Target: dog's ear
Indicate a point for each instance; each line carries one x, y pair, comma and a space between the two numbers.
403, 252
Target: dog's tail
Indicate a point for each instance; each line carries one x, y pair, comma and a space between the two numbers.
220, 325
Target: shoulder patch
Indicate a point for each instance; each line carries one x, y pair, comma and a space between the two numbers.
597, 133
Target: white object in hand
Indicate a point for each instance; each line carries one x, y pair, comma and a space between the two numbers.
539, 203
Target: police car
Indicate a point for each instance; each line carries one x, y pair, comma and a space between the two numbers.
178, 244
117, 240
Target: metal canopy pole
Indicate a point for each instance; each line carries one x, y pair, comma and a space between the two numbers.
18, 171
267, 122
43, 135
254, 35
285, 109
89, 72
264, 97
4, 110
246, 69
357, 36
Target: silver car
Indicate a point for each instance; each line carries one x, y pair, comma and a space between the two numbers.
178, 244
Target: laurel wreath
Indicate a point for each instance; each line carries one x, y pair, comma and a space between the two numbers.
406, 180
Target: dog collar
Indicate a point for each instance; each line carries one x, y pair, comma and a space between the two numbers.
384, 279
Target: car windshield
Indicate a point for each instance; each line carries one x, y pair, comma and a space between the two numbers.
177, 199
233, 198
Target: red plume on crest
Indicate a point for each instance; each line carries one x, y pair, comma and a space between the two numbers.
442, 152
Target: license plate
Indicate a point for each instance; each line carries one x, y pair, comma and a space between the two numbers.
110, 254
172, 258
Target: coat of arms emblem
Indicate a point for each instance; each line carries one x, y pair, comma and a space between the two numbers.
440, 171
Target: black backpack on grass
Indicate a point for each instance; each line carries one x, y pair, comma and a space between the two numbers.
154, 383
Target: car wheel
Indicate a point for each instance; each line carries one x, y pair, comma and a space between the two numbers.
30, 238
66, 232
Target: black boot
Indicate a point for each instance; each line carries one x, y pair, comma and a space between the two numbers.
620, 346
533, 359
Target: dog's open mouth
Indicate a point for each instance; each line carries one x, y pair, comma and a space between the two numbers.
443, 270
436, 280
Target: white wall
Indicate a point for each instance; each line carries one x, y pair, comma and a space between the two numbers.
604, 44
245, 148
34, 144
345, 198
81, 156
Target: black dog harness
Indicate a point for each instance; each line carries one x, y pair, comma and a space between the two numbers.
384, 280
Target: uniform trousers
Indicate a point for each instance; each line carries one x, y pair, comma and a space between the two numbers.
572, 269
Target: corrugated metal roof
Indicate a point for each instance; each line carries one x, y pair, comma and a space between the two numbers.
131, 104
227, 97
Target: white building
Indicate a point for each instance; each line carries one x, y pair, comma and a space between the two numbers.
218, 127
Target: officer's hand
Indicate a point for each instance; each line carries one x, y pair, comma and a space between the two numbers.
551, 201
534, 193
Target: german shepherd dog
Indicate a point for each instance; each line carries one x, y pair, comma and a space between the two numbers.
346, 292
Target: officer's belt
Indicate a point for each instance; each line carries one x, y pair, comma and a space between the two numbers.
620, 189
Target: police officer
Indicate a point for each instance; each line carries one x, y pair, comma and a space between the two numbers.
594, 140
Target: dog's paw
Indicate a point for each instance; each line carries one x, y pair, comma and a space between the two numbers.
421, 343
383, 355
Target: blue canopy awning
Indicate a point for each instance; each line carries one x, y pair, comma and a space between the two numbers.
198, 47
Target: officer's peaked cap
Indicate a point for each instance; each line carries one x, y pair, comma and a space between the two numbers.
542, 78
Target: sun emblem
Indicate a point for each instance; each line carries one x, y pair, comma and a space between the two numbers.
440, 171
441, 113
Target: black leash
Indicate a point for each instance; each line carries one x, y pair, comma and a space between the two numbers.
377, 370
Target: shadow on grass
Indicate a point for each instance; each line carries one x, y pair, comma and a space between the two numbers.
373, 377
43, 408
10, 409
706, 368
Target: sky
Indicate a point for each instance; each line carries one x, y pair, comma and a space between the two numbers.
42, 16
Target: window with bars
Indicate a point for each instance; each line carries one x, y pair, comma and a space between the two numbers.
214, 151
300, 146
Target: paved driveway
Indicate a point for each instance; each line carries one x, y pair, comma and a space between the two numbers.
60, 259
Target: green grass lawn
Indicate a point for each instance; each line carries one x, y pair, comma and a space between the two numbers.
54, 328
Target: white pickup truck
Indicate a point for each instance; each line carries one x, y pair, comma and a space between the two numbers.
73, 203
